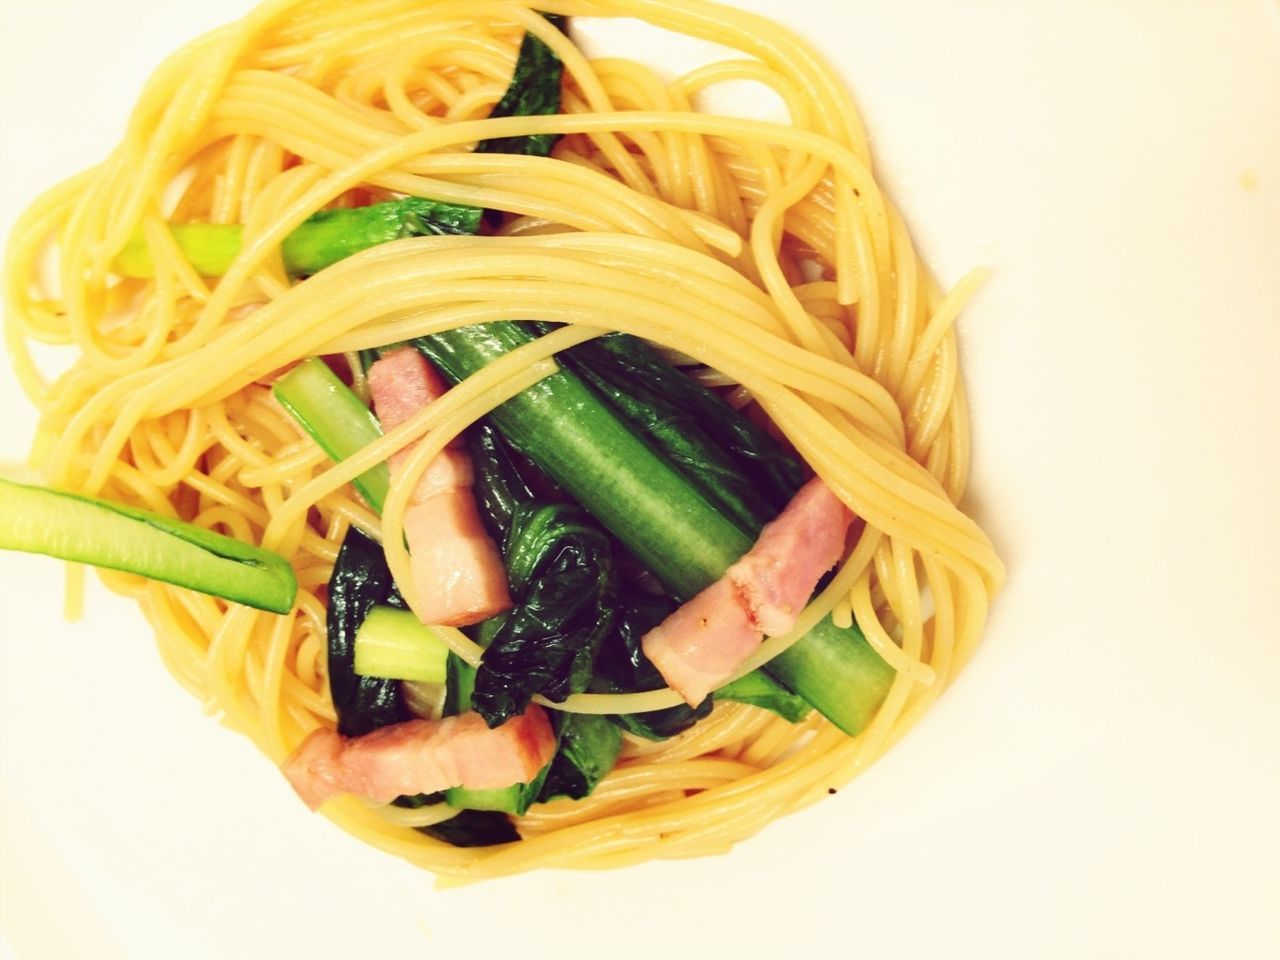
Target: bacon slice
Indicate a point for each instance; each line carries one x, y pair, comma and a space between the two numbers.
700, 645
402, 383
422, 756
777, 576
705, 641
457, 570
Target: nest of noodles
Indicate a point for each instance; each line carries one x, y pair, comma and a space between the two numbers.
764, 254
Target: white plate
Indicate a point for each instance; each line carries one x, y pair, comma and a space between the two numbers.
1104, 779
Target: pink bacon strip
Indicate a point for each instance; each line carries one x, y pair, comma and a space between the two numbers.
705, 641
422, 756
458, 573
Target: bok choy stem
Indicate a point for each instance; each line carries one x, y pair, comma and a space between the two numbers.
331, 413
322, 239
89, 530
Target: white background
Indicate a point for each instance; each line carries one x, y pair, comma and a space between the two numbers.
1104, 779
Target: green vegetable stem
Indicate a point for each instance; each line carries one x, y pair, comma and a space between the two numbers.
118, 537
323, 239
331, 413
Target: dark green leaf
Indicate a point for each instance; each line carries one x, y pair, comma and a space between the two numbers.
360, 579
534, 91
500, 488
470, 828
760, 690
735, 463
589, 747
475, 828
560, 565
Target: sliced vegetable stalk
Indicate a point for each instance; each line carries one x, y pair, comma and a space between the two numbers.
676, 532
338, 420
105, 534
395, 644
741, 469
322, 239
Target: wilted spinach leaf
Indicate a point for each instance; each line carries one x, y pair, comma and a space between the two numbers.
534, 91
589, 747
560, 565
360, 579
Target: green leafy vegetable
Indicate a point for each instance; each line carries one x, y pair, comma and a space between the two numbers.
758, 690
561, 572
89, 530
534, 91
589, 747
360, 581
560, 565
474, 828
564, 427
322, 239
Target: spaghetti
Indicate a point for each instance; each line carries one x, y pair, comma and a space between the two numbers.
763, 255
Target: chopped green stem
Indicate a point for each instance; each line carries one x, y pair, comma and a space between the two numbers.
322, 239
396, 645
88, 530
337, 419
654, 398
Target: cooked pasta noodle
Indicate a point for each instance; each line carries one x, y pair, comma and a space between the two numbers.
763, 254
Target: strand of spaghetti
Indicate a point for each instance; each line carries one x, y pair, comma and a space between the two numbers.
416, 817
179, 384
372, 168
880, 641
940, 324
